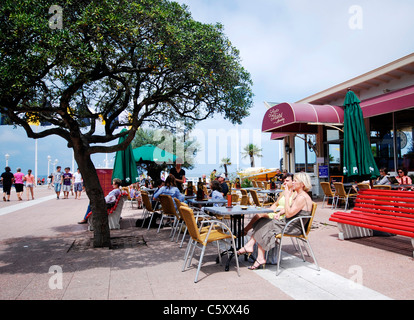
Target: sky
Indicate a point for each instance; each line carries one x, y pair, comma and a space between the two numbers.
292, 49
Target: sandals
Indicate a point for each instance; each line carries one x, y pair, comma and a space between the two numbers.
256, 267
239, 253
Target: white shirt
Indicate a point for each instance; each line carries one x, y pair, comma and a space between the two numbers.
78, 177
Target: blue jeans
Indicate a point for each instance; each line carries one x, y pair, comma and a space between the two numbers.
58, 186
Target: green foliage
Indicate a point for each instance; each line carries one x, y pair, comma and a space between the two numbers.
246, 183
122, 62
143, 59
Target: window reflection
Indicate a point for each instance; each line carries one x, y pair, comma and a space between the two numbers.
305, 158
404, 129
382, 141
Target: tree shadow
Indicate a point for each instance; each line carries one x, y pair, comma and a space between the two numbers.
38, 254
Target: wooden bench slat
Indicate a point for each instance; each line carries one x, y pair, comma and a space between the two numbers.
378, 228
401, 212
382, 210
406, 194
374, 220
364, 198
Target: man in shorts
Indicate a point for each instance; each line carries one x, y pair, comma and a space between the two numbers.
66, 182
57, 181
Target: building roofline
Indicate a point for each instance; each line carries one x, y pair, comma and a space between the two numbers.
386, 73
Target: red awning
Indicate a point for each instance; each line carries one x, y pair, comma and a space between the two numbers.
286, 118
300, 117
390, 102
278, 136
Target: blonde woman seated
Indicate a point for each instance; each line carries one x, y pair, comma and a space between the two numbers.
278, 207
264, 230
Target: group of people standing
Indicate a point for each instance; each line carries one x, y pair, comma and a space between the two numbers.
18, 179
67, 182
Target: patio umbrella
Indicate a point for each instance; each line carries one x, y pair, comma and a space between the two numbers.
152, 153
125, 167
358, 159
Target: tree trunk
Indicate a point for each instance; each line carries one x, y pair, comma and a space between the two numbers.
252, 161
102, 237
225, 169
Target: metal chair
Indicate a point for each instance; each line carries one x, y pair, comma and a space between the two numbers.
212, 234
340, 193
328, 193
245, 200
256, 199
129, 199
234, 199
382, 186
147, 208
169, 211
362, 186
304, 237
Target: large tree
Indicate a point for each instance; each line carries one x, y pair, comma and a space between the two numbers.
123, 61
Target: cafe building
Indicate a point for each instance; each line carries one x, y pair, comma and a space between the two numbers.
312, 128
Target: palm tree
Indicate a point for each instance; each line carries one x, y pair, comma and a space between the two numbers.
224, 163
252, 151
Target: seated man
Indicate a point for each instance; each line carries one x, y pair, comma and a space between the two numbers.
110, 199
224, 187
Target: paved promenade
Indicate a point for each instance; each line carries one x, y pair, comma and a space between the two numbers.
45, 254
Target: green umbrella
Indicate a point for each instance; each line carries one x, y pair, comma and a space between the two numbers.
125, 167
358, 159
152, 153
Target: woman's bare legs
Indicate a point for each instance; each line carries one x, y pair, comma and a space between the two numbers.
253, 220
248, 247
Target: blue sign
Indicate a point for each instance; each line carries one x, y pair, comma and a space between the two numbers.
323, 172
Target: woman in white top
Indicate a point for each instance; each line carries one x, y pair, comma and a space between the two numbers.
216, 192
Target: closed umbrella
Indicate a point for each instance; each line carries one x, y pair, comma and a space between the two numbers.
358, 159
125, 167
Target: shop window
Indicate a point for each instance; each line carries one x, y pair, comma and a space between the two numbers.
382, 141
332, 135
305, 157
334, 151
404, 126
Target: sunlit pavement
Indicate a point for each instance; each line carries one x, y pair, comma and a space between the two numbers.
45, 254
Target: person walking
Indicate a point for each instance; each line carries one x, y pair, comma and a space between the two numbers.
57, 181
77, 184
67, 182
18, 183
7, 178
30, 180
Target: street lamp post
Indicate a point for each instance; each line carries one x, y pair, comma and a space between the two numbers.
7, 156
49, 160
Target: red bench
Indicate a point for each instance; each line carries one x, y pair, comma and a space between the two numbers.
381, 210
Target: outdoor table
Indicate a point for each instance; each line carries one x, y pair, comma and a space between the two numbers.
250, 188
236, 214
205, 202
